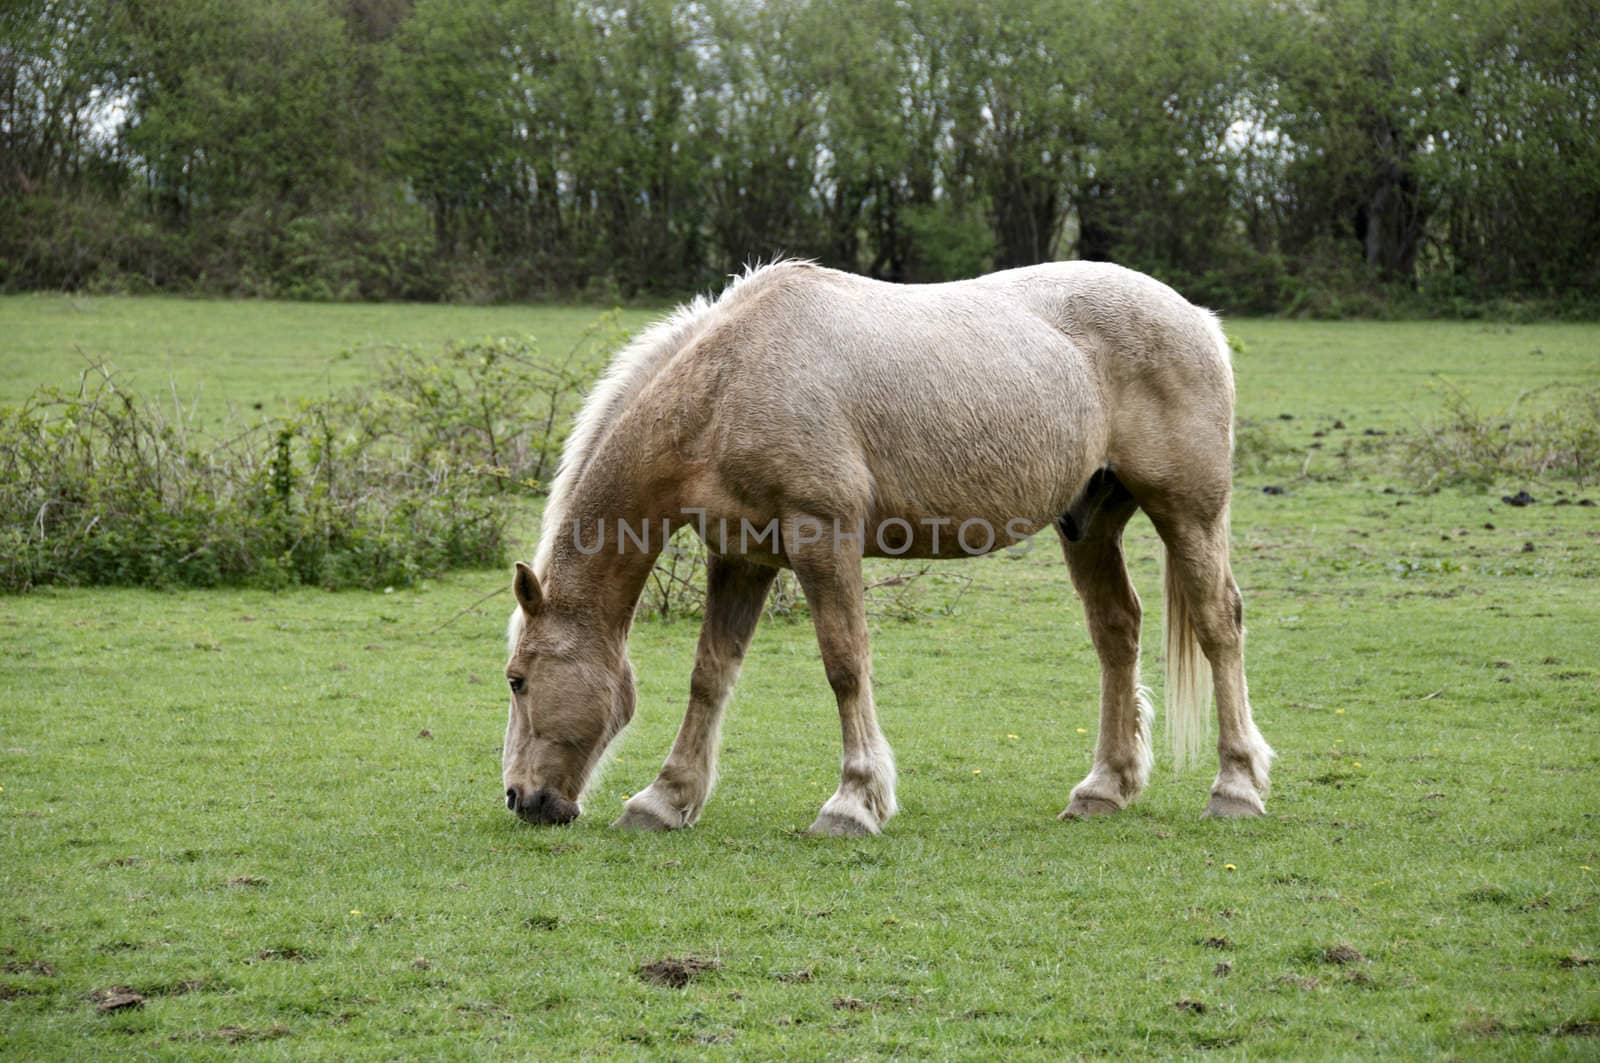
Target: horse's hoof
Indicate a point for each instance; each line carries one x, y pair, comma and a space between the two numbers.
641, 819
833, 825
1222, 806
1085, 807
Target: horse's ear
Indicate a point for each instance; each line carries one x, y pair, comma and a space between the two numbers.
525, 585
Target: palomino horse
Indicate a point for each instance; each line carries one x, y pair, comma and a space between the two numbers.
807, 418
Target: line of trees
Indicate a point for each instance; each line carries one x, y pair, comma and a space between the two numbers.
1321, 155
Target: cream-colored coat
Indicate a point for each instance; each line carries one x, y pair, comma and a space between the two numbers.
810, 417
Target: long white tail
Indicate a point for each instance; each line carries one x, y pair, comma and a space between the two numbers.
1188, 673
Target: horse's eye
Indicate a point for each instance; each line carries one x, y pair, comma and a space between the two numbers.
518, 684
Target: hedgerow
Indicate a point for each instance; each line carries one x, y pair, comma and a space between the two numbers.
421, 472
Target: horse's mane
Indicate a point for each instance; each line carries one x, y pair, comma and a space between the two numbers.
625, 377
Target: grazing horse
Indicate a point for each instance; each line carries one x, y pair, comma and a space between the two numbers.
808, 418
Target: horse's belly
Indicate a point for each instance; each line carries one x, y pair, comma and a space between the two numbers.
1015, 455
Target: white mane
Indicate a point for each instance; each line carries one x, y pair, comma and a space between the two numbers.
628, 372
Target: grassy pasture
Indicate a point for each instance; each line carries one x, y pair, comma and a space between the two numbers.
276, 817
236, 353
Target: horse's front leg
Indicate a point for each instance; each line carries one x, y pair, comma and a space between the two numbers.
1122, 756
736, 592
830, 575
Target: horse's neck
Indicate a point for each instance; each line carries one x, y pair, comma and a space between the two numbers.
605, 585
608, 544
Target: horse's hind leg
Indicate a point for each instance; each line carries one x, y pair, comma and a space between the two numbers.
830, 575
1196, 538
736, 592
1122, 750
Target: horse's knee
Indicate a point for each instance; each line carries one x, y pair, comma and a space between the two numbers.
710, 680
1114, 627
846, 678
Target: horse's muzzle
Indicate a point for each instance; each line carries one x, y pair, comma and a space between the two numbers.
543, 807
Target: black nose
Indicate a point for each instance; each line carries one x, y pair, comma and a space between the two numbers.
542, 806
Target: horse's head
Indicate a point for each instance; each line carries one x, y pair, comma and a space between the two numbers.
571, 694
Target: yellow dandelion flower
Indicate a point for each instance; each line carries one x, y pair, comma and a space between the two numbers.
1229, 867
1083, 730
355, 911
1355, 763
977, 771
1012, 737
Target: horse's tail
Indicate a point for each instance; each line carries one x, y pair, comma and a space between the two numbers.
1188, 672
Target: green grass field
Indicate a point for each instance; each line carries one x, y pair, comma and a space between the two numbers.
277, 817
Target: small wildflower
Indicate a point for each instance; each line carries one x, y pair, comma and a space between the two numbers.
1585, 867
1083, 730
1338, 712
1012, 737
1229, 867
355, 911
1355, 763
977, 771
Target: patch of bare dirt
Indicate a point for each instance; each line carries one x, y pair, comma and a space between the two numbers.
1567, 963
675, 972
293, 955
1305, 982
799, 977
116, 998
236, 1035
1342, 954
850, 1004
38, 967
1192, 1007
246, 882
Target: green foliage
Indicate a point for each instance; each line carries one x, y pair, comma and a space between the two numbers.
370, 488
1330, 158
1559, 440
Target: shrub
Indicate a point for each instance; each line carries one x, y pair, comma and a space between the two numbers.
366, 489
1477, 448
